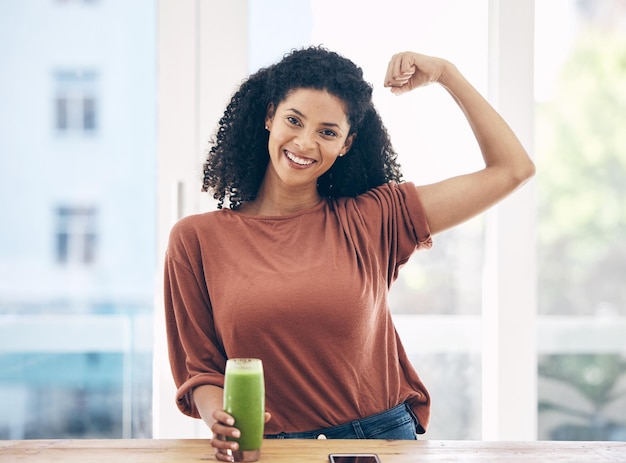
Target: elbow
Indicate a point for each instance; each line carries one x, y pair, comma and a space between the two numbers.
524, 172
529, 171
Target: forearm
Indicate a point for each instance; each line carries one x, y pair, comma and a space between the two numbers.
507, 165
499, 145
208, 399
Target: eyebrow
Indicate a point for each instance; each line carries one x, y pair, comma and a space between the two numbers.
326, 124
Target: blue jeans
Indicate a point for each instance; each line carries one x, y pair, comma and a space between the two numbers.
397, 423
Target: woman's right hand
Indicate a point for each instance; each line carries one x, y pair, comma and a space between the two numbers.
222, 428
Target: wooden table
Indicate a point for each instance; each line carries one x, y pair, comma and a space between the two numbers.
309, 451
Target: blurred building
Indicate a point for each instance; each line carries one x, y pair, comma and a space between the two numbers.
78, 213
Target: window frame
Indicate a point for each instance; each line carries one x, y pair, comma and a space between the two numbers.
76, 235
76, 102
509, 349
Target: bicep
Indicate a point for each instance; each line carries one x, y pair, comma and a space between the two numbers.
458, 199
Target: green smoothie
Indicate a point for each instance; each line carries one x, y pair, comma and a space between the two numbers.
244, 400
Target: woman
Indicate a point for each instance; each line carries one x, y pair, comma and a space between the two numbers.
296, 271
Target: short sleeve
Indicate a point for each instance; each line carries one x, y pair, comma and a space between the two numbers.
393, 217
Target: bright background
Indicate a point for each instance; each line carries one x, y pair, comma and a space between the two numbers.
515, 320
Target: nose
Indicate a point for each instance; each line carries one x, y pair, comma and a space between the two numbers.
305, 139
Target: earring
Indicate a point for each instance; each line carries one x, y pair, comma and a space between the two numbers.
267, 128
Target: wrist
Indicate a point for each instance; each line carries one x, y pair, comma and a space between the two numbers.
448, 73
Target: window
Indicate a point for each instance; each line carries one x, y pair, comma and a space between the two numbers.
76, 235
105, 354
580, 116
75, 101
77, 254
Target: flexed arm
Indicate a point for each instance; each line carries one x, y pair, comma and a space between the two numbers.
507, 165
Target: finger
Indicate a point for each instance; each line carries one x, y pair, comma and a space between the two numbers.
220, 429
392, 69
389, 73
219, 441
407, 65
223, 417
224, 455
395, 71
400, 70
222, 446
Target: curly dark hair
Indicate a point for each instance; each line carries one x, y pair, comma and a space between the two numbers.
239, 156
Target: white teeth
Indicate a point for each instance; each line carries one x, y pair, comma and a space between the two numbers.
298, 160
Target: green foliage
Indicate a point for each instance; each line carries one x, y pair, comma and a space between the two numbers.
581, 165
581, 145
595, 376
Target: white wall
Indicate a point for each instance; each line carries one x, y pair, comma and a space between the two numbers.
202, 55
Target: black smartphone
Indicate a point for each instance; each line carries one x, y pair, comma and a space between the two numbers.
353, 458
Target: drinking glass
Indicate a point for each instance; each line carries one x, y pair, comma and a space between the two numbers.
244, 400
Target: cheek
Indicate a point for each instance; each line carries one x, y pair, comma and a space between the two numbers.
277, 137
333, 150
274, 148
272, 143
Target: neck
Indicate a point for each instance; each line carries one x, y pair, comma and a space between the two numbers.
281, 201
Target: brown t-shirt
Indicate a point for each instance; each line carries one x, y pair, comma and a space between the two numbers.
307, 294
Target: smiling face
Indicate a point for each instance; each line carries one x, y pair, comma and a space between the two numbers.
309, 129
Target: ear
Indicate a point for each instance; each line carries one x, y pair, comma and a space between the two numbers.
269, 115
348, 144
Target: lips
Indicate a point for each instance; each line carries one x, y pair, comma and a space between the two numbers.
299, 160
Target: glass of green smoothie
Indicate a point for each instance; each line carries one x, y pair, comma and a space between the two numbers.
244, 400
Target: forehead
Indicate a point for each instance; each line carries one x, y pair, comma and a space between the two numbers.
315, 103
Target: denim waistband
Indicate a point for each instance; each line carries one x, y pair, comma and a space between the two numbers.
365, 428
